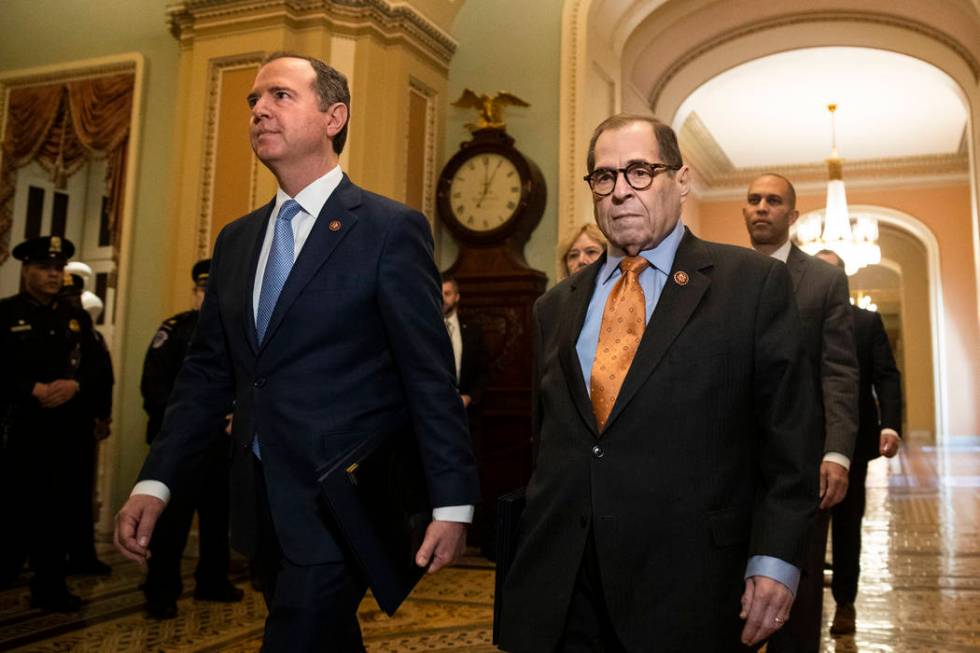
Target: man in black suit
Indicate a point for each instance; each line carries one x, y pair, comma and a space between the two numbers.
672, 492
468, 350
471, 374
322, 323
880, 411
822, 298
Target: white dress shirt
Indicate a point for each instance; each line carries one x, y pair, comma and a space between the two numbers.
311, 200
456, 337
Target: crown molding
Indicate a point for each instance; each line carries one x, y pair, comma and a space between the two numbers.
390, 21
897, 172
758, 27
718, 178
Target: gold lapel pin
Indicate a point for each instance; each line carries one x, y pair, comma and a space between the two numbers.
334, 225
681, 278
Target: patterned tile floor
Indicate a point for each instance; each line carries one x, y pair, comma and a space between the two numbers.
920, 586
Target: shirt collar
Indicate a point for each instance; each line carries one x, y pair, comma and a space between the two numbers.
783, 252
312, 198
660, 257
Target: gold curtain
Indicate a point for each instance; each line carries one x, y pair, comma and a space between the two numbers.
62, 126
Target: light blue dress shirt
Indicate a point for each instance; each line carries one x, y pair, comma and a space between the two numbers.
652, 280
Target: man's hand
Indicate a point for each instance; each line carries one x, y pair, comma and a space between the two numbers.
765, 608
40, 392
833, 484
467, 400
443, 544
52, 395
229, 422
889, 444
134, 526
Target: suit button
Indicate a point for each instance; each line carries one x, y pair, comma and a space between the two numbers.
598, 452
258, 383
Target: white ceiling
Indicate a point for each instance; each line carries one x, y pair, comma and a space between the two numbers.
773, 111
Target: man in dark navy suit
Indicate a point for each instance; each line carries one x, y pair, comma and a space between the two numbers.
322, 323
879, 426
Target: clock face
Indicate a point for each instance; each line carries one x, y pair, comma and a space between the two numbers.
485, 191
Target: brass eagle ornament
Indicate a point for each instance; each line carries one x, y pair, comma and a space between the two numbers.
491, 108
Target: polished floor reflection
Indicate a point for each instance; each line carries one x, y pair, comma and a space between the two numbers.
920, 585
920, 562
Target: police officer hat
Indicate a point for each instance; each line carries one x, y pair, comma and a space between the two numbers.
44, 248
200, 272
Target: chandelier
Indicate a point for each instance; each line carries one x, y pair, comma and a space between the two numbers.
853, 238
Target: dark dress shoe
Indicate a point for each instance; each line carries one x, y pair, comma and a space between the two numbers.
222, 594
160, 610
845, 618
63, 601
93, 567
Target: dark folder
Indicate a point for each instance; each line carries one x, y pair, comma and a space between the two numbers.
509, 509
377, 495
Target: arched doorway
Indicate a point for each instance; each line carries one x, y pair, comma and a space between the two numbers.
907, 288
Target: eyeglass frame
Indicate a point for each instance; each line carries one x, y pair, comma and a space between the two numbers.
653, 168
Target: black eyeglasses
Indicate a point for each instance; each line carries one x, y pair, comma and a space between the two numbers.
639, 175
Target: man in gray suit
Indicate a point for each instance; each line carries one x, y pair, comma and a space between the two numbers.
822, 299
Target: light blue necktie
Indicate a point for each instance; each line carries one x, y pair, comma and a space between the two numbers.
277, 269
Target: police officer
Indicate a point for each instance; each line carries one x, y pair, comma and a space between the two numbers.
210, 496
82, 558
48, 353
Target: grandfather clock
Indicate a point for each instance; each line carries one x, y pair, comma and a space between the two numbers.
491, 197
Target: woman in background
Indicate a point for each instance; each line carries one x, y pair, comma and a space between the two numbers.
585, 246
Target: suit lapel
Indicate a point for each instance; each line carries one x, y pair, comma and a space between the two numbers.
258, 236
572, 319
319, 245
676, 305
796, 262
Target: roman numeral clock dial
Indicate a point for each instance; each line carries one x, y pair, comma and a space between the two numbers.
490, 193
485, 191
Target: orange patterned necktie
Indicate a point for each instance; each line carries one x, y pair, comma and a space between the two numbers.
623, 321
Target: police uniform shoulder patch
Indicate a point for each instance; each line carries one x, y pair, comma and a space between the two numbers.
160, 338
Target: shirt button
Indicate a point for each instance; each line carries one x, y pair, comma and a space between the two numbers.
598, 452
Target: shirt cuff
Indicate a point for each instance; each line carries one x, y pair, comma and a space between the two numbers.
776, 569
154, 489
839, 458
891, 432
461, 514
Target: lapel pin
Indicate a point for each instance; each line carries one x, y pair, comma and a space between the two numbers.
334, 225
681, 278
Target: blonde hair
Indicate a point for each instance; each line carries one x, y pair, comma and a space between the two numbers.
590, 230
